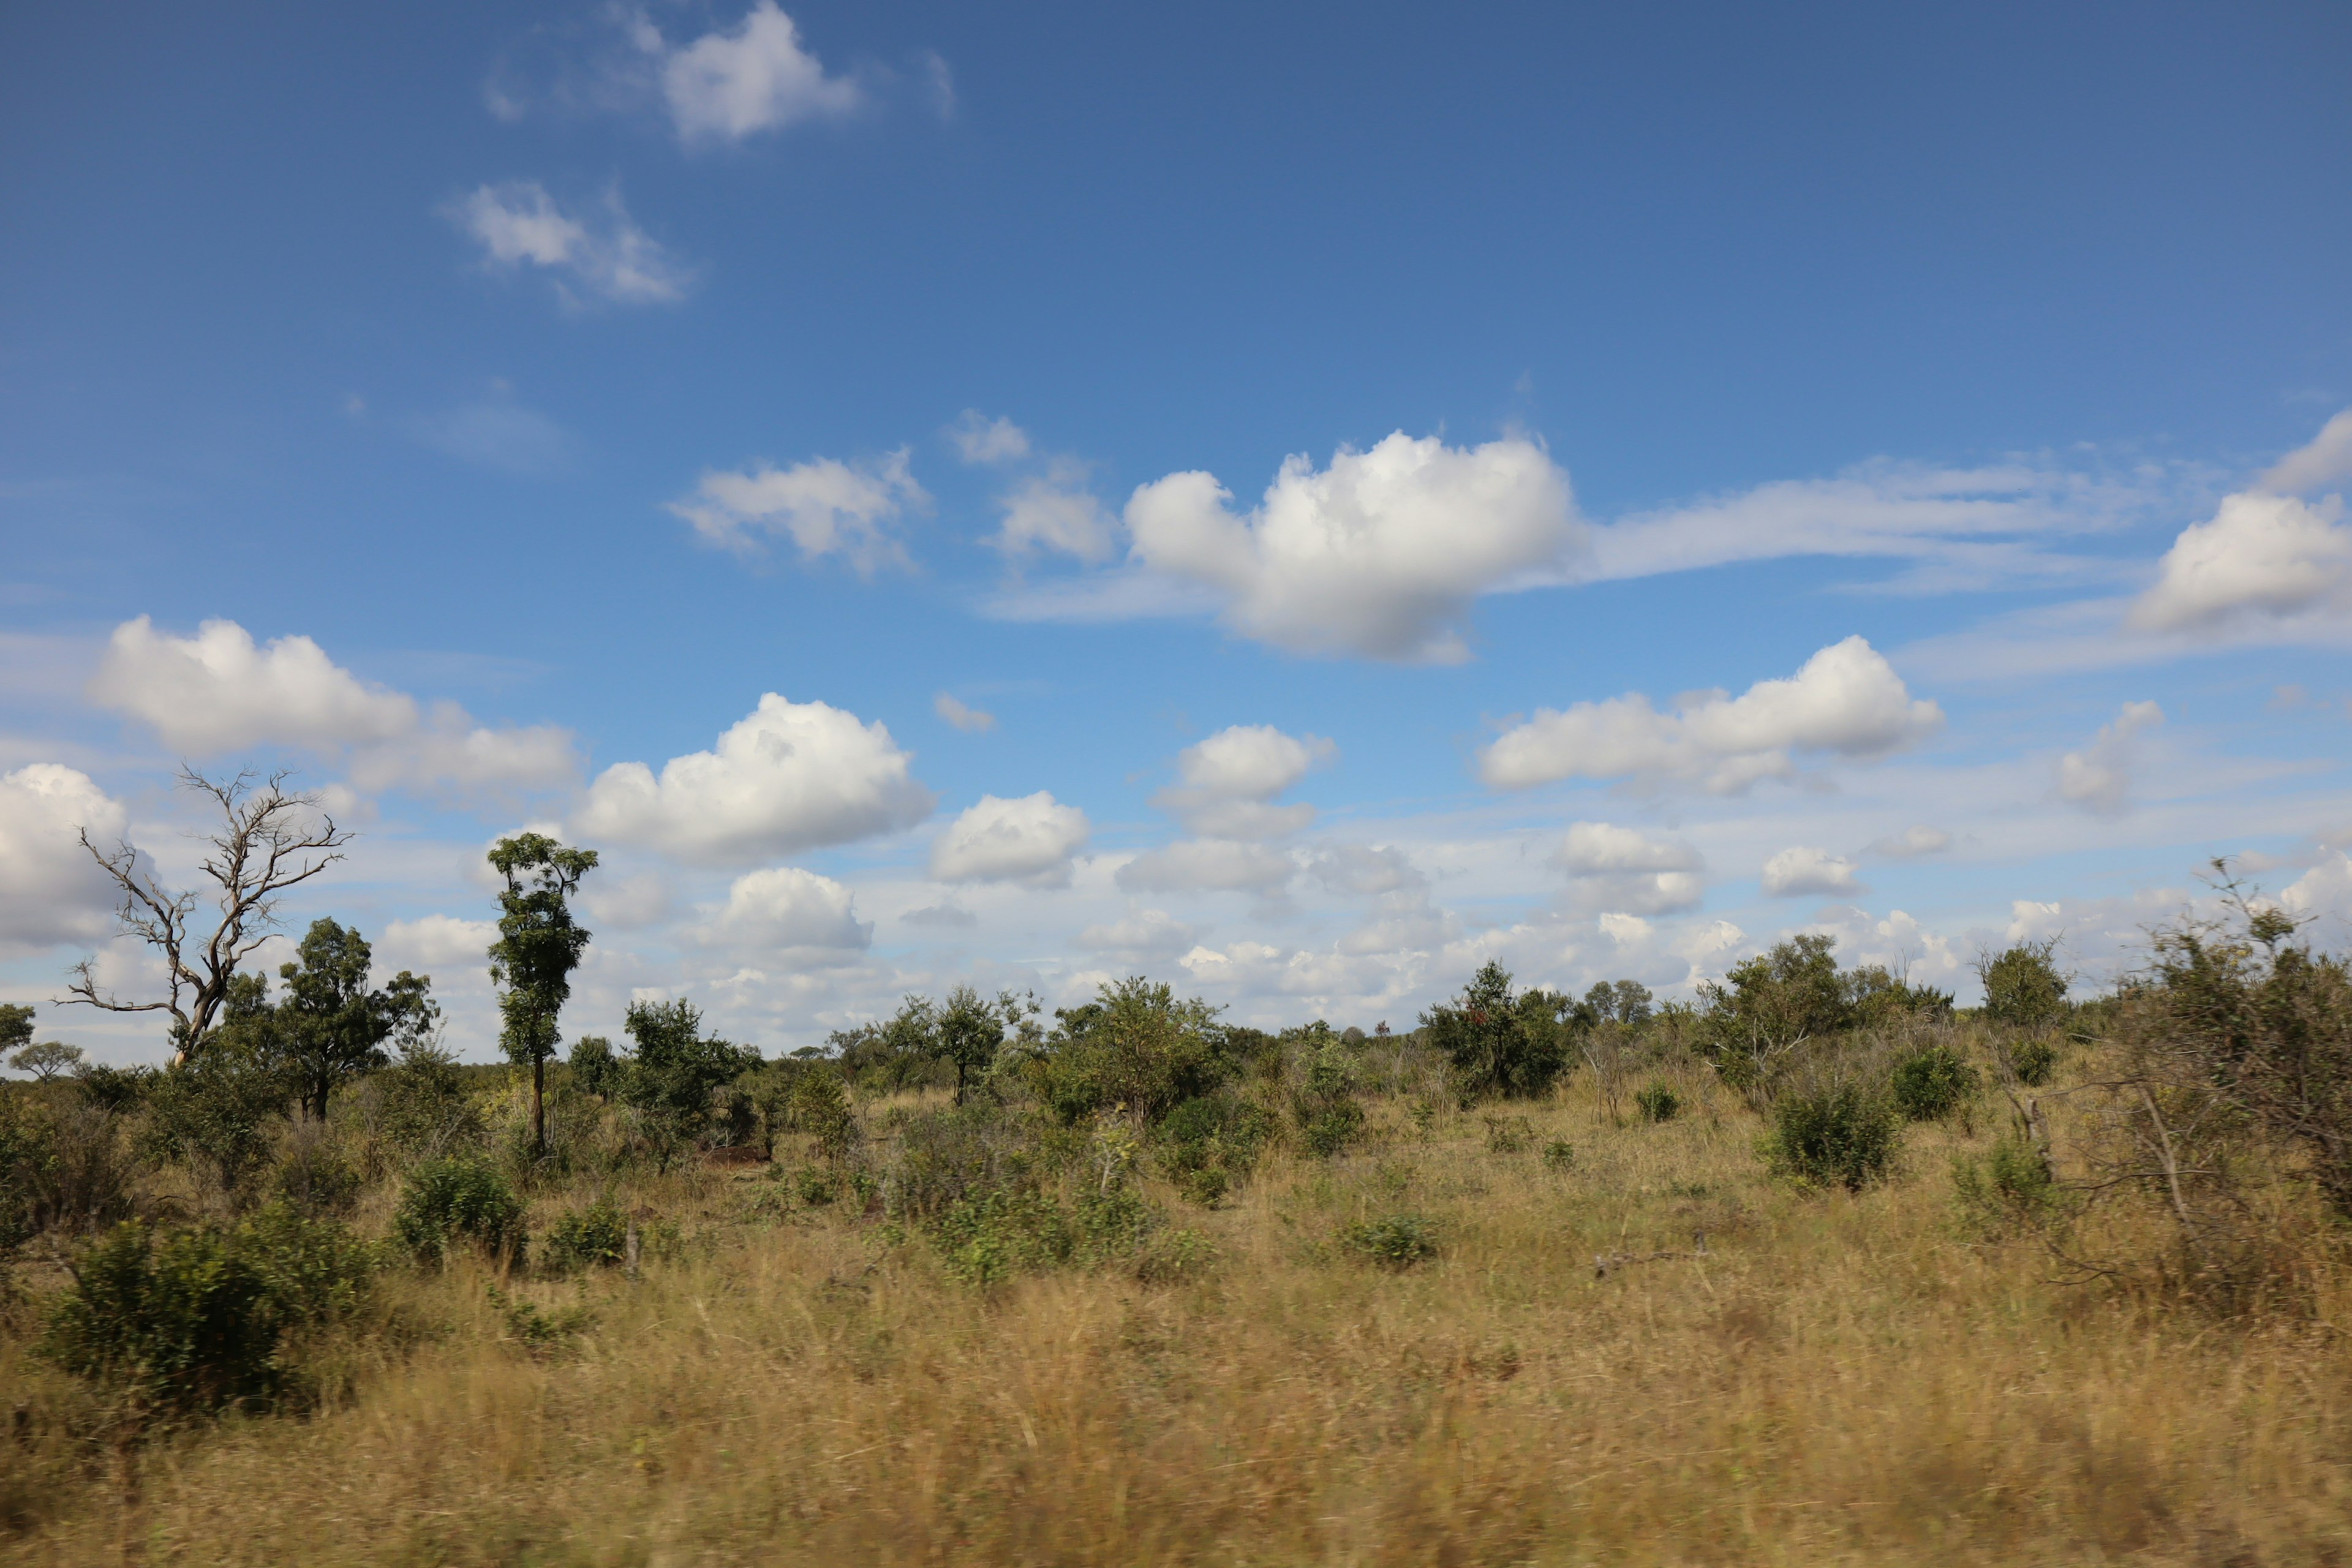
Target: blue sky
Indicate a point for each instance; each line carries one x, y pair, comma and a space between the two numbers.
474, 400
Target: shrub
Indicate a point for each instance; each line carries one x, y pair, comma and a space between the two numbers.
818, 1105
1173, 1256
450, 1200
194, 1320
1135, 1045
1508, 1135
1209, 1142
815, 1187
1658, 1102
2011, 1184
1500, 1045
312, 1174
2033, 1061
594, 1237
1323, 1099
215, 1115
1842, 1135
62, 1166
1560, 1155
1391, 1241
540, 1333
420, 1105
1929, 1085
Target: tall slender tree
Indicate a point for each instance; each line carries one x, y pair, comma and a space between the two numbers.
538, 948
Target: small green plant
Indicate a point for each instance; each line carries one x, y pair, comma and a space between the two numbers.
815, 1186
2033, 1061
453, 1200
818, 1105
1560, 1155
1392, 1241
1843, 1135
1929, 1085
540, 1333
1508, 1135
2010, 1187
1174, 1256
594, 1237
1657, 1102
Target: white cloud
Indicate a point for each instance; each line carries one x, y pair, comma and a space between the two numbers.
2260, 555
980, 439
784, 906
1847, 700
825, 506
2326, 459
970, 721
50, 890
1911, 844
2098, 777
217, 692
1620, 869
1230, 781
1055, 512
1800, 869
1403, 923
1379, 554
2326, 889
1364, 870
437, 944
1218, 864
596, 254
790, 776
1029, 840
627, 902
1148, 933
726, 85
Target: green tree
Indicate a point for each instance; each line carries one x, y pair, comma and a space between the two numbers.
1768, 1006
2023, 984
329, 1027
1501, 1044
538, 948
16, 1027
48, 1059
968, 1032
676, 1069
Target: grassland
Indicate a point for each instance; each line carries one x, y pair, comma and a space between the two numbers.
1834, 1378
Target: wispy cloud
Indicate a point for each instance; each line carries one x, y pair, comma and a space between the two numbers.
595, 254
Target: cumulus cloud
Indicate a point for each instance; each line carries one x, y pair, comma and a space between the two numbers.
1911, 844
1802, 869
627, 902
218, 692
1055, 512
1145, 934
1847, 702
1230, 781
2324, 461
1624, 870
2260, 555
594, 254
790, 776
824, 506
1030, 840
970, 721
54, 893
1364, 870
2098, 777
786, 908
2326, 889
1214, 865
1379, 554
982, 440
728, 85
437, 944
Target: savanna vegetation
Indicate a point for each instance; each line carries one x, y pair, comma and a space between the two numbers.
1819, 1268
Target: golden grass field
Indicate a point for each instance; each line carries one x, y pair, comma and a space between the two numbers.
1836, 1380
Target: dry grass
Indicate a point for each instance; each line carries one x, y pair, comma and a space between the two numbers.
1836, 1380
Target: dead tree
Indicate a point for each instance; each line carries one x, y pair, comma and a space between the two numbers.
270, 839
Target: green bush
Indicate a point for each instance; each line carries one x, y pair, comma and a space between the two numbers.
2022, 985
1323, 1097
1391, 1241
817, 1187
1658, 1102
2033, 1061
594, 1237
1560, 1155
453, 1200
1209, 1142
1501, 1044
2010, 1185
1844, 1136
818, 1104
1929, 1085
195, 1319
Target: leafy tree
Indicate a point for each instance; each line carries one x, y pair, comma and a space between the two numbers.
270, 838
1501, 1044
1626, 1002
48, 1059
16, 1027
1136, 1045
968, 1031
594, 1067
329, 1027
539, 946
1768, 1006
214, 1112
2022, 985
676, 1069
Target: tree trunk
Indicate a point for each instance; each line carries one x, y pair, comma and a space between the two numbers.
539, 1107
